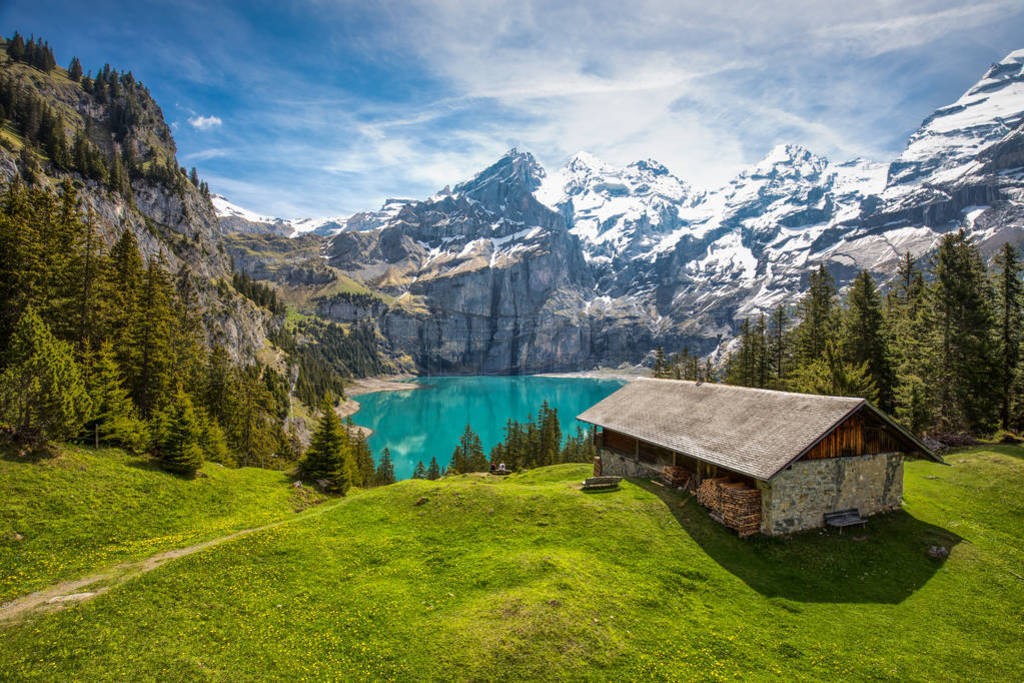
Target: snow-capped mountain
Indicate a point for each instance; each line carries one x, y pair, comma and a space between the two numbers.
947, 144
520, 270
616, 212
233, 218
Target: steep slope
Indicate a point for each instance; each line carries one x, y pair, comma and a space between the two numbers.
134, 182
518, 270
488, 279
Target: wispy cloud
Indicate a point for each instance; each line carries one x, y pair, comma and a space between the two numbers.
204, 122
334, 105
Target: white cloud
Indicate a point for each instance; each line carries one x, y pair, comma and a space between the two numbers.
703, 88
204, 122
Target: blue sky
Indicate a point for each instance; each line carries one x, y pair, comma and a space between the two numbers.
320, 107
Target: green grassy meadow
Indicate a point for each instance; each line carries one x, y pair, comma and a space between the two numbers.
87, 509
527, 577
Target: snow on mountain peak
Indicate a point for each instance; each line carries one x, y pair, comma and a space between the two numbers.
235, 218
948, 141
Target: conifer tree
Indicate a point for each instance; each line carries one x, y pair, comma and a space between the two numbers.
212, 440
433, 471
420, 472
778, 351
42, 393
180, 448
864, 339
831, 375
1008, 316
326, 458
818, 316
964, 338
250, 426
469, 454
112, 420
364, 467
152, 360
75, 70
121, 287
550, 436
660, 365
385, 470
218, 385
16, 47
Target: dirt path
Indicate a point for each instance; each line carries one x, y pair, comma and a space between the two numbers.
61, 595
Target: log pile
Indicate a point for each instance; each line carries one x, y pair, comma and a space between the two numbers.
675, 476
734, 504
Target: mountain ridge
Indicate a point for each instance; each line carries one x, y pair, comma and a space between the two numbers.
647, 259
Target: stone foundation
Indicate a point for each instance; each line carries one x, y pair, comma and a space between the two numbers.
799, 496
616, 464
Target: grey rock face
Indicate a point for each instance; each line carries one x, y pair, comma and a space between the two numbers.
516, 270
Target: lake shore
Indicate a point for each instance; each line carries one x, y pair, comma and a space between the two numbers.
625, 374
369, 385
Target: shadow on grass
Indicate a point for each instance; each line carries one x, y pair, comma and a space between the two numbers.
884, 562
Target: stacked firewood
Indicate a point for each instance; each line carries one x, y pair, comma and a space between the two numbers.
734, 504
708, 493
675, 477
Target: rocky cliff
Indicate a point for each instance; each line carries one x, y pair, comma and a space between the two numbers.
517, 270
140, 189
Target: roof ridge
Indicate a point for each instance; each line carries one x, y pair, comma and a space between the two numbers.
722, 385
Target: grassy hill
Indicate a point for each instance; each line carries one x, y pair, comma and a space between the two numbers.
527, 577
86, 510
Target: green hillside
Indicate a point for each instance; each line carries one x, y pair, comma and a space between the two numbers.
86, 510
527, 577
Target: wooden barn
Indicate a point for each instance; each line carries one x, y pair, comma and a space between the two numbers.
763, 461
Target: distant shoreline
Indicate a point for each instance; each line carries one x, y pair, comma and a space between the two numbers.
625, 374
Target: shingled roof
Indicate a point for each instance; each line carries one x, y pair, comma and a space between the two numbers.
756, 432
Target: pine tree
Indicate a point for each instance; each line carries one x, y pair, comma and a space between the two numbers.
151, 363
42, 393
75, 70
1009, 322
364, 467
469, 454
112, 420
660, 365
864, 339
212, 440
550, 436
16, 47
964, 338
218, 386
831, 375
180, 440
433, 471
909, 325
385, 470
251, 424
420, 472
121, 286
778, 350
328, 452
818, 316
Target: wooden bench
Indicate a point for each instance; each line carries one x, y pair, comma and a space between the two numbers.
842, 518
601, 483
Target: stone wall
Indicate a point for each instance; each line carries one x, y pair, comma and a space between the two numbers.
614, 463
800, 495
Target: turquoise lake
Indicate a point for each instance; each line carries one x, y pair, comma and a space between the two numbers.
427, 422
